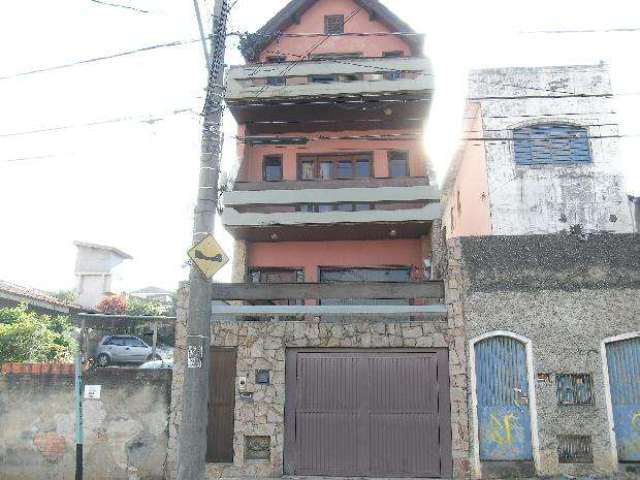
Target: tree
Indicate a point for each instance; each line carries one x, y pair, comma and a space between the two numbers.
68, 297
26, 336
114, 305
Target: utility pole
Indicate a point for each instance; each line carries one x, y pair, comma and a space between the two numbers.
192, 434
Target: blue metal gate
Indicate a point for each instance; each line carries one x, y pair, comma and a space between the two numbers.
623, 360
502, 388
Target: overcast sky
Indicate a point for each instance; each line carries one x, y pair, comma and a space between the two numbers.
131, 183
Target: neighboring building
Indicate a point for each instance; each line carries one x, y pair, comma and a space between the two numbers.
334, 198
541, 155
634, 205
12, 295
154, 294
552, 327
96, 271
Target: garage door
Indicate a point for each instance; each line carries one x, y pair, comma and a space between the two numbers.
368, 413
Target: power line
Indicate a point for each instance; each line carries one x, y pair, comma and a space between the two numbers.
319, 34
139, 10
125, 53
149, 119
606, 30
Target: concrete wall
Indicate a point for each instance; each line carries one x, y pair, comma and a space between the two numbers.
262, 345
565, 294
125, 431
313, 21
550, 198
466, 210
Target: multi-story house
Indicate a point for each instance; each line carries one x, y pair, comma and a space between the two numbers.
540, 155
332, 213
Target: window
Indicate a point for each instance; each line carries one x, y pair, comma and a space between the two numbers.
276, 275
393, 54
392, 75
323, 78
276, 81
333, 207
574, 389
398, 164
551, 144
276, 59
272, 168
341, 166
574, 449
334, 24
346, 275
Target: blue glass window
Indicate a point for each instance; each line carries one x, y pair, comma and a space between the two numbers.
551, 144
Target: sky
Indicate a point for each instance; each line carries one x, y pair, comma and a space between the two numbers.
129, 180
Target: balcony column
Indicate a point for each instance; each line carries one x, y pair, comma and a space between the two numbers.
239, 263
289, 165
380, 164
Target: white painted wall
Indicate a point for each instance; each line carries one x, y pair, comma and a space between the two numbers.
550, 198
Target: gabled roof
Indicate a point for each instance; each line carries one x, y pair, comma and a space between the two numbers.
253, 45
106, 248
21, 294
152, 290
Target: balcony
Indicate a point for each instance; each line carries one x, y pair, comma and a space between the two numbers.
332, 210
330, 301
303, 96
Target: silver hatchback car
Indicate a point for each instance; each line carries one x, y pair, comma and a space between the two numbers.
123, 349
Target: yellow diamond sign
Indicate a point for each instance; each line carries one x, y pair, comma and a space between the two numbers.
208, 256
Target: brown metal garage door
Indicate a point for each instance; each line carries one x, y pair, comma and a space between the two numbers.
368, 413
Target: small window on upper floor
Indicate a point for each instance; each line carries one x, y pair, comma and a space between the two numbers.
276, 81
276, 59
398, 164
393, 54
551, 144
272, 168
334, 24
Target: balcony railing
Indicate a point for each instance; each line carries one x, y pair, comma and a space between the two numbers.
326, 77
330, 300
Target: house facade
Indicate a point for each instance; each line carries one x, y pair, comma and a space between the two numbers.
334, 214
540, 155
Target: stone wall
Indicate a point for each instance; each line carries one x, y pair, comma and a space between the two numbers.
566, 294
262, 345
125, 431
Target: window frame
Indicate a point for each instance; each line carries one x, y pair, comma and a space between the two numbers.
327, 24
406, 159
265, 158
335, 160
584, 130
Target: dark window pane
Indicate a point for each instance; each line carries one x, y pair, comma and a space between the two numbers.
326, 170
398, 165
272, 169
325, 208
345, 169
323, 78
394, 75
395, 53
334, 24
306, 207
276, 59
363, 168
276, 81
345, 207
365, 275
307, 170
361, 207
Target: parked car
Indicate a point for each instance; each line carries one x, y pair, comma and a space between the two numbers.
123, 349
158, 365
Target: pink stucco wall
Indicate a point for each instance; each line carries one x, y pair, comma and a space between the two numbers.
312, 255
312, 21
467, 212
251, 170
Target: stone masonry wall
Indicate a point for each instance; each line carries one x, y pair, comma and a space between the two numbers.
125, 431
262, 345
566, 294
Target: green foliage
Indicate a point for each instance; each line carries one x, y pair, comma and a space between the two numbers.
145, 308
26, 336
67, 297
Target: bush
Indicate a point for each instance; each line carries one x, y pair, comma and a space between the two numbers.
29, 337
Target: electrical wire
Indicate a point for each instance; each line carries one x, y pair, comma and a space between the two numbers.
607, 30
138, 10
125, 53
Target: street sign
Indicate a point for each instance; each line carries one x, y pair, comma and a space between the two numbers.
92, 392
208, 256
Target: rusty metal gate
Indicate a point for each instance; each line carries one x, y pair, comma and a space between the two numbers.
502, 389
368, 413
623, 361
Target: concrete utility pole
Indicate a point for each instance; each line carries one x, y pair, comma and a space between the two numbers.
192, 435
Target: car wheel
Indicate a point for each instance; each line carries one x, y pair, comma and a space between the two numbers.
103, 360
